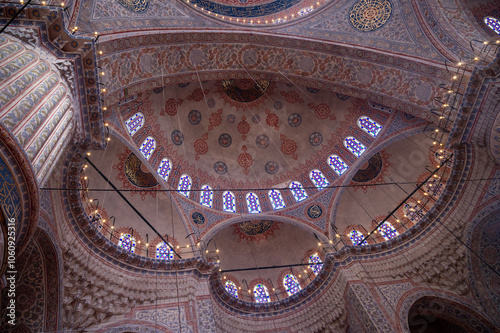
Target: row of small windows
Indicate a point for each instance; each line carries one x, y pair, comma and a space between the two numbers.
338, 165
290, 283
386, 230
163, 250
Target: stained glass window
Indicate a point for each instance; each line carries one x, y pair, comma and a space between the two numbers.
164, 168
356, 238
184, 185
260, 293
493, 23
163, 251
231, 288
337, 164
387, 230
291, 284
354, 146
318, 179
297, 191
315, 259
134, 123
253, 203
207, 195
276, 199
147, 147
369, 126
127, 242
229, 202
413, 212
434, 186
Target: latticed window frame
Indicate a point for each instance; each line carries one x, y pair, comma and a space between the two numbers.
276, 199
261, 297
358, 151
148, 146
182, 188
339, 166
253, 204
291, 289
316, 263
233, 291
298, 192
312, 175
387, 230
169, 251
137, 127
225, 204
164, 169
131, 242
207, 196
358, 238
369, 126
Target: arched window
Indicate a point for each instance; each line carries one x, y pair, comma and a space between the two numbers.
276, 199
127, 242
229, 202
184, 185
413, 212
493, 23
207, 195
164, 168
387, 230
163, 251
356, 238
147, 147
318, 179
253, 203
297, 191
315, 259
354, 146
260, 293
134, 123
434, 187
291, 284
231, 288
369, 126
337, 164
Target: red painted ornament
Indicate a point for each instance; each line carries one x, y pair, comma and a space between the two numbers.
197, 95
171, 107
288, 147
322, 111
245, 160
292, 97
215, 119
243, 127
201, 146
272, 120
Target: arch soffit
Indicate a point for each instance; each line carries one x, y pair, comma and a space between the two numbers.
348, 70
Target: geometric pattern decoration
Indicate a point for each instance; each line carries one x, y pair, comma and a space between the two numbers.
318, 179
387, 230
413, 212
315, 259
337, 164
127, 242
261, 294
354, 146
147, 147
136, 6
164, 168
276, 199
135, 123
164, 252
231, 288
253, 203
356, 238
369, 126
492, 23
206, 197
229, 202
297, 191
370, 15
291, 284
184, 185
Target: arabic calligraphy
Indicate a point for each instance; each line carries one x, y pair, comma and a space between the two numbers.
137, 6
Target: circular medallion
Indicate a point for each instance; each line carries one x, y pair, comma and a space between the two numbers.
198, 218
312, 90
231, 118
177, 137
262, 141
272, 167
315, 139
369, 15
194, 117
314, 211
210, 102
278, 105
220, 167
225, 140
342, 97
256, 119
370, 170
294, 120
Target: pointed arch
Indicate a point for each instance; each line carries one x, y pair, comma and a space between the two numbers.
369, 126
276, 199
164, 169
337, 164
356, 237
164, 252
261, 293
291, 284
387, 230
207, 196
316, 260
127, 242
229, 202
185, 184
297, 191
318, 179
354, 146
253, 203
148, 146
231, 288
135, 123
